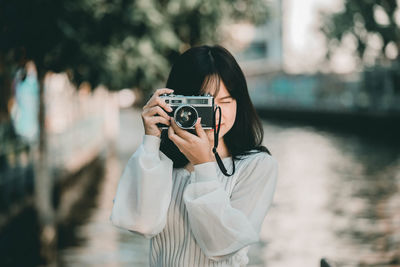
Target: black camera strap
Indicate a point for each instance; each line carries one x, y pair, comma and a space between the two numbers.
216, 134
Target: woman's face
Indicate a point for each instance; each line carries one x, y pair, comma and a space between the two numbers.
228, 110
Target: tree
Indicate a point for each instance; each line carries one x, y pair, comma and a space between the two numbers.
121, 43
376, 32
362, 20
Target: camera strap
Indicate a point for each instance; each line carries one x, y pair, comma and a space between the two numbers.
214, 150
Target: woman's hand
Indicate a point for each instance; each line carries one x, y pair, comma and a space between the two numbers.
153, 108
197, 149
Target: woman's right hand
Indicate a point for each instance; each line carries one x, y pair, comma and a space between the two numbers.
155, 107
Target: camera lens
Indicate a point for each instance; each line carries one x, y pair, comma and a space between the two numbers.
185, 116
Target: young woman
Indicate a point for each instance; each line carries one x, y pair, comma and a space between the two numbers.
172, 189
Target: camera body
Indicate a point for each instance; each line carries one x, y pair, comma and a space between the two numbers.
186, 110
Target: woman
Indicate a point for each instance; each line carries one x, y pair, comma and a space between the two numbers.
172, 190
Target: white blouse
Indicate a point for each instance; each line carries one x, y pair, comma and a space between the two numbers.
199, 218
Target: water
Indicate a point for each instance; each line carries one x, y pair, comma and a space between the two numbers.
337, 197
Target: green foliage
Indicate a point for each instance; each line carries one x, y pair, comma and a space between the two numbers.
120, 43
361, 19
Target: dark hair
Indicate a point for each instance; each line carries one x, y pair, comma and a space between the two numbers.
191, 74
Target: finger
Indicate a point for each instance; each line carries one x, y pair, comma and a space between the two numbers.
161, 102
199, 129
180, 132
175, 138
156, 110
159, 119
149, 102
158, 101
161, 91
152, 101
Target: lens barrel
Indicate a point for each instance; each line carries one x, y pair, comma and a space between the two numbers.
185, 116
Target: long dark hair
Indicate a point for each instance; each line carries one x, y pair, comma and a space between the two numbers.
191, 74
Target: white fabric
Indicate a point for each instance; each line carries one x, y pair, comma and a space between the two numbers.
202, 218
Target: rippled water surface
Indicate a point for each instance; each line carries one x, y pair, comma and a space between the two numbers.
338, 197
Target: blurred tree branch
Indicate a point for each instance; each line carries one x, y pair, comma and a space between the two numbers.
374, 28
122, 43
362, 20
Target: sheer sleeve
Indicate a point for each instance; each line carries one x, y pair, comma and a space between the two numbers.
224, 224
144, 190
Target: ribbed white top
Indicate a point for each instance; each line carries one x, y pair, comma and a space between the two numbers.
202, 218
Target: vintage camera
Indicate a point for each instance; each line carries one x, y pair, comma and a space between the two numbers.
186, 110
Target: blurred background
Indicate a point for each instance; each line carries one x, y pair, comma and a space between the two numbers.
323, 75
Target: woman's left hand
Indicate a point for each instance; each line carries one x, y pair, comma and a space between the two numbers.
197, 149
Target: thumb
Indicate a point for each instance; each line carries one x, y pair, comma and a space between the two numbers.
199, 130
